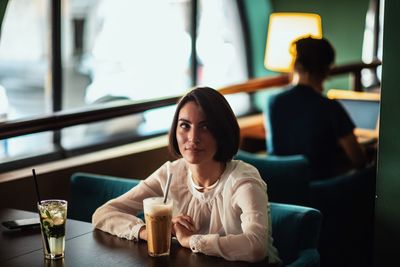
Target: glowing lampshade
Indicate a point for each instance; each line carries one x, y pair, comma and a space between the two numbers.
283, 29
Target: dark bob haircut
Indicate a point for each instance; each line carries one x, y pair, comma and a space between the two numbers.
315, 56
221, 122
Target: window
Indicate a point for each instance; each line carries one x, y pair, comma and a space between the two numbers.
372, 43
24, 69
134, 50
220, 49
115, 50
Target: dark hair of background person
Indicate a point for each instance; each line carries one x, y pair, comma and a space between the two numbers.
221, 122
312, 55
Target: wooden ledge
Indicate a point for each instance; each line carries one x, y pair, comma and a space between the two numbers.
102, 155
249, 125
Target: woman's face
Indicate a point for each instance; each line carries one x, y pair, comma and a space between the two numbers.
195, 141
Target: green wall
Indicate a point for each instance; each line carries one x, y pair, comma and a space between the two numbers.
342, 22
387, 207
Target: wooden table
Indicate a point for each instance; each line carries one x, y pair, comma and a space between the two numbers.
87, 247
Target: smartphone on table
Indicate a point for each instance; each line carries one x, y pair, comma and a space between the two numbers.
22, 224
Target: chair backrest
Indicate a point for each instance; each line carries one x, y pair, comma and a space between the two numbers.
295, 230
347, 202
287, 177
89, 191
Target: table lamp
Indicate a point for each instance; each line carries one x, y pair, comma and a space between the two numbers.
283, 29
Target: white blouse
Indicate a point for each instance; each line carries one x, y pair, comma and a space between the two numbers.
232, 219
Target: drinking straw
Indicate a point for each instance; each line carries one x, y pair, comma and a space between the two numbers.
47, 247
36, 186
167, 189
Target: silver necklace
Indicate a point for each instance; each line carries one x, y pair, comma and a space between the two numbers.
198, 187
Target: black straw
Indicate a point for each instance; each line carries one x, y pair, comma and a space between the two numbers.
46, 242
36, 187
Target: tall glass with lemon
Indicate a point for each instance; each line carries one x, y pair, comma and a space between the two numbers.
53, 217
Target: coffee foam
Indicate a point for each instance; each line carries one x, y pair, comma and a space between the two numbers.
156, 207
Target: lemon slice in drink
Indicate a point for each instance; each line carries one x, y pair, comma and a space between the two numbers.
58, 220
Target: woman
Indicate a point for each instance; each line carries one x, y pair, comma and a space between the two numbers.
222, 203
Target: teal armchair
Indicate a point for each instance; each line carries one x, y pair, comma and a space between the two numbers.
295, 230
287, 177
90, 191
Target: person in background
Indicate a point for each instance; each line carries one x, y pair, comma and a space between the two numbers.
301, 120
221, 204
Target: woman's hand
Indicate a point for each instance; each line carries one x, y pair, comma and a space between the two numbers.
183, 228
143, 233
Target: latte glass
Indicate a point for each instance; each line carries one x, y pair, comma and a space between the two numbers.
158, 218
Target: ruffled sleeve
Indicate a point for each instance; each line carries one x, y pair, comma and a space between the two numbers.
119, 216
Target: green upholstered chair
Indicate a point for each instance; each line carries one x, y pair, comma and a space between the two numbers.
286, 176
295, 230
90, 191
